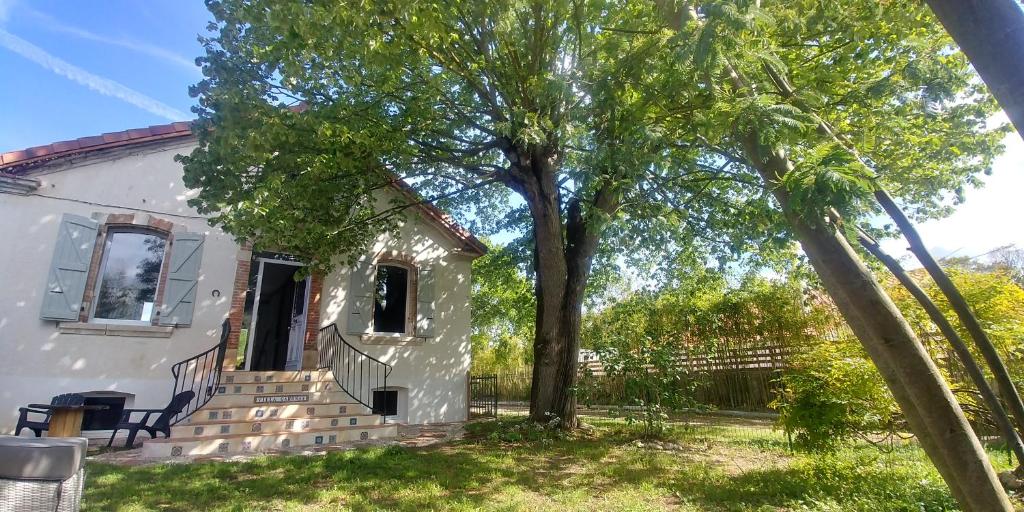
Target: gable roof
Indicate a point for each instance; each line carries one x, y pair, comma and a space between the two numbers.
15, 164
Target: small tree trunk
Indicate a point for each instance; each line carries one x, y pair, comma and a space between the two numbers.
962, 352
929, 405
959, 305
991, 34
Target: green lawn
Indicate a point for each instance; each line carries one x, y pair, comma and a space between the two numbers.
716, 469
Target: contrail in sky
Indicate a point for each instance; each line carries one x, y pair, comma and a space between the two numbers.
99, 84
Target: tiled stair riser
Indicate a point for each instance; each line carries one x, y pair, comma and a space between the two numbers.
271, 426
235, 444
268, 412
242, 377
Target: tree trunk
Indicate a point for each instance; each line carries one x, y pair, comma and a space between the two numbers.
563, 255
962, 352
931, 410
959, 305
991, 34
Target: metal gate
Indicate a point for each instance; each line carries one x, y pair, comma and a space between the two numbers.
483, 395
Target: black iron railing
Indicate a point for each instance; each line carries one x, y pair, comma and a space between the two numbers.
200, 374
357, 373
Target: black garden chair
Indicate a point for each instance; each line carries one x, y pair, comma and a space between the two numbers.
40, 426
162, 424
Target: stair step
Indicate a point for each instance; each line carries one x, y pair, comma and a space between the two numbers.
246, 377
253, 388
271, 398
269, 426
250, 412
245, 443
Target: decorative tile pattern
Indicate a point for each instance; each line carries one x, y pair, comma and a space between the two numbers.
279, 388
319, 440
308, 377
259, 389
310, 411
226, 415
222, 448
246, 446
363, 436
230, 379
198, 431
269, 378
305, 423
258, 378
334, 422
285, 443
214, 415
175, 451
222, 389
305, 387
332, 439
225, 429
238, 389
273, 412
257, 427
343, 409
259, 413
352, 421
289, 424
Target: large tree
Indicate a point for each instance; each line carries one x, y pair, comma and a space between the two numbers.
828, 103
561, 103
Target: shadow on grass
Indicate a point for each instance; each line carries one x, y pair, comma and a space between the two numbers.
596, 472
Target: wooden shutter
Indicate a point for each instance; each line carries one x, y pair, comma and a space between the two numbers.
69, 269
360, 297
425, 303
179, 298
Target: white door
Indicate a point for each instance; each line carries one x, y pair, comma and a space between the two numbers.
297, 329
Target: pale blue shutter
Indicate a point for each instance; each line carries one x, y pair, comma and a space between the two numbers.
69, 269
425, 303
179, 298
360, 297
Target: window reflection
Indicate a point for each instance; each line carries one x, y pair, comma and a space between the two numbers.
129, 276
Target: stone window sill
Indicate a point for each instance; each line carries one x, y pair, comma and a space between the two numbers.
390, 339
135, 331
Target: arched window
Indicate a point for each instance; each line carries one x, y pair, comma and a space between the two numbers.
391, 303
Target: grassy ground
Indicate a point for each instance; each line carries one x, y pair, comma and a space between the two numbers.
717, 469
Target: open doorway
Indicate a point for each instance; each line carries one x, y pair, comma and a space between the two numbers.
278, 316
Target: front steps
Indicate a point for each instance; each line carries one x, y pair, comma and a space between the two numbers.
259, 411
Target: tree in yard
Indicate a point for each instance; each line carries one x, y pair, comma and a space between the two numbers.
471, 103
806, 93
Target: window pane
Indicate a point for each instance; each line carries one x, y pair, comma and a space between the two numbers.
131, 271
390, 298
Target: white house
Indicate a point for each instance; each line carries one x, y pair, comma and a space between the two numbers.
109, 279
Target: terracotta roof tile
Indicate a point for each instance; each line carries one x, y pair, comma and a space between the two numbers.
14, 163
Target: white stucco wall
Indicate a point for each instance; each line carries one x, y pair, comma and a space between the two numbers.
38, 362
434, 371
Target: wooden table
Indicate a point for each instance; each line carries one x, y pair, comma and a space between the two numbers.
66, 420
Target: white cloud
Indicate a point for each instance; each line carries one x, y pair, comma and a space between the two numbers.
51, 23
5, 10
99, 84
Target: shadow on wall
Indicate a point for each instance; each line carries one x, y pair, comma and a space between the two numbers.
434, 373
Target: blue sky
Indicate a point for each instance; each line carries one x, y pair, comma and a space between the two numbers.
78, 68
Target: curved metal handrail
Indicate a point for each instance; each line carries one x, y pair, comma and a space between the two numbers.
200, 374
356, 372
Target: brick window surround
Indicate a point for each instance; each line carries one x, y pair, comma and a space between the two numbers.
139, 222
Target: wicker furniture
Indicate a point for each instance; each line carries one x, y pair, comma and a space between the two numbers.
45, 474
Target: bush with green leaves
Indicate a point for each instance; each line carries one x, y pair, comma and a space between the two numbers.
832, 395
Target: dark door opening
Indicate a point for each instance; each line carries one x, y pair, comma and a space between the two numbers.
269, 340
